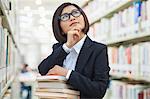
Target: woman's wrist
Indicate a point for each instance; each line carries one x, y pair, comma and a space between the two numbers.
68, 45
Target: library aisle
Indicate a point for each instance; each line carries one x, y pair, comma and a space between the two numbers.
26, 38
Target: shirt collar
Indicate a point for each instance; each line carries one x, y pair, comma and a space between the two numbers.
79, 44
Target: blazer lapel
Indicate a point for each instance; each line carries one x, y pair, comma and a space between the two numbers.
84, 54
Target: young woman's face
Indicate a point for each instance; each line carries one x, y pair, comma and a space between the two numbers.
71, 17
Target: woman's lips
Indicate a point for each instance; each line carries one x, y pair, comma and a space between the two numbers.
73, 23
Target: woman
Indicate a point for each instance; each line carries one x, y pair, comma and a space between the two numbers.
82, 61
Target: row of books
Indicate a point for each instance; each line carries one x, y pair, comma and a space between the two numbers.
8, 9
131, 21
129, 90
131, 59
3, 45
7, 56
7, 4
8, 94
55, 87
94, 4
104, 5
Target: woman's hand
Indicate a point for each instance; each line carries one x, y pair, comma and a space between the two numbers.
73, 36
57, 70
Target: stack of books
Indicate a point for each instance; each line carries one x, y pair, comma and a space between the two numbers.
55, 87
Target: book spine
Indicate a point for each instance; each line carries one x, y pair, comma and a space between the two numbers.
137, 7
137, 56
124, 90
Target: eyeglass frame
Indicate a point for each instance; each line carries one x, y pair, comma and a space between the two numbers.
70, 14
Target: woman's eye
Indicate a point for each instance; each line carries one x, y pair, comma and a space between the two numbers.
64, 16
75, 12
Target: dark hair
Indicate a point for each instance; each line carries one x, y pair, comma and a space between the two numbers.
58, 33
25, 65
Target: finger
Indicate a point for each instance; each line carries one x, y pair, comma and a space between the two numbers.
57, 66
74, 32
50, 73
78, 27
75, 36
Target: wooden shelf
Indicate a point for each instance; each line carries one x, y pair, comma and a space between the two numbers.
110, 12
2, 67
136, 38
125, 70
122, 71
7, 22
140, 79
145, 69
6, 87
86, 3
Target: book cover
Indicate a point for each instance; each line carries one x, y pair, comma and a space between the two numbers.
53, 84
55, 95
66, 91
51, 78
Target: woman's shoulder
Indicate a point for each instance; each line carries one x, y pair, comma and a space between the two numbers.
56, 45
99, 45
96, 44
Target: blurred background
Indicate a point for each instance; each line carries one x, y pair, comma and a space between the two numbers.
26, 38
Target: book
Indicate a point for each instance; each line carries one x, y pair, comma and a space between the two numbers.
54, 87
0, 41
66, 91
47, 95
53, 84
147, 9
128, 90
52, 81
147, 93
51, 78
133, 59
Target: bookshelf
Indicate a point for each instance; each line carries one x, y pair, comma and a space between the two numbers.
9, 51
106, 14
137, 32
86, 3
129, 39
7, 23
6, 87
7, 19
129, 90
125, 28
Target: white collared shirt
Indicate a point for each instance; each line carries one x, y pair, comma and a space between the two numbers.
71, 59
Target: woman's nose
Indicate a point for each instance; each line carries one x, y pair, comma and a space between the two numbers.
72, 18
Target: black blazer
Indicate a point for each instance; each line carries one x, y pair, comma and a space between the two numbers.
91, 75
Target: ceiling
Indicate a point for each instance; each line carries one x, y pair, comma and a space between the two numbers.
35, 17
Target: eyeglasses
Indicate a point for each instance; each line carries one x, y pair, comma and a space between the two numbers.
66, 16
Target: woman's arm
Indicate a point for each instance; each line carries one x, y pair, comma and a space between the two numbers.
56, 58
96, 87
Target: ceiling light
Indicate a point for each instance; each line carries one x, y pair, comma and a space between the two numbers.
41, 8
25, 19
29, 14
24, 40
25, 25
26, 34
27, 8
